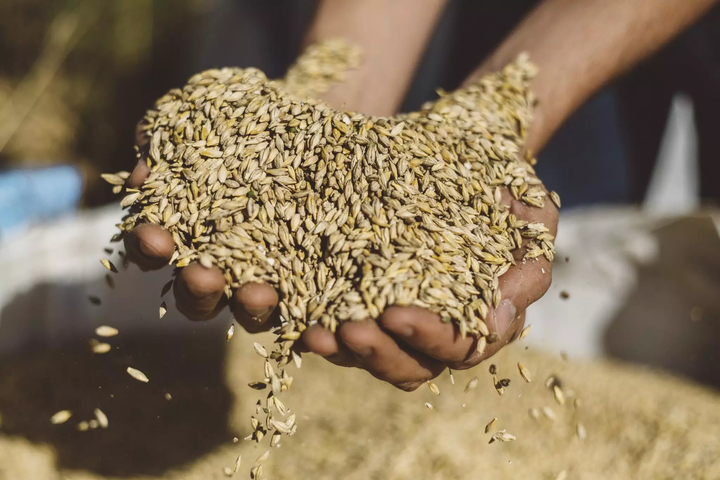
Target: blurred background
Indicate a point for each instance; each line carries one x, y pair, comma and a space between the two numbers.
637, 169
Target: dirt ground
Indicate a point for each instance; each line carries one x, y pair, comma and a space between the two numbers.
640, 424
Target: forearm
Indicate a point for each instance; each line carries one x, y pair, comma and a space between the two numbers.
579, 45
392, 35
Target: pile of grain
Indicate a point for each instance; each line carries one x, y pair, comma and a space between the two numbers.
639, 424
343, 213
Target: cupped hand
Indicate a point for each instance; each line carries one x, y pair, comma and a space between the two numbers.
406, 346
198, 291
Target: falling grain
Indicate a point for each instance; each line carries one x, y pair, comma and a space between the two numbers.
471, 384
524, 372
502, 436
137, 375
549, 413
230, 332
260, 350
101, 348
262, 457
498, 386
524, 332
580, 432
109, 265
106, 331
101, 418
491, 425
61, 417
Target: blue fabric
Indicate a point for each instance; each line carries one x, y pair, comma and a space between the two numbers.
28, 196
586, 161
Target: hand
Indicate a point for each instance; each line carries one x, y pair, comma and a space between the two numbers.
409, 345
405, 347
199, 292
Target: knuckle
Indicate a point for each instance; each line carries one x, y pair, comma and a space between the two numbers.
409, 386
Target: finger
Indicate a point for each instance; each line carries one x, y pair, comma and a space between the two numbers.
321, 341
142, 138
149, 246
528, 280
491, 348
141, 170
522, 285
138, 175
253, 305
381, 355
425, 332
199, 291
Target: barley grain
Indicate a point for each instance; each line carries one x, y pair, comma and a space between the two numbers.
524, 372
101, 418
137, 375
106, 331
61, 417
491, 425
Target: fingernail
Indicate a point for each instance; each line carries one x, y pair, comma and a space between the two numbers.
504, 316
